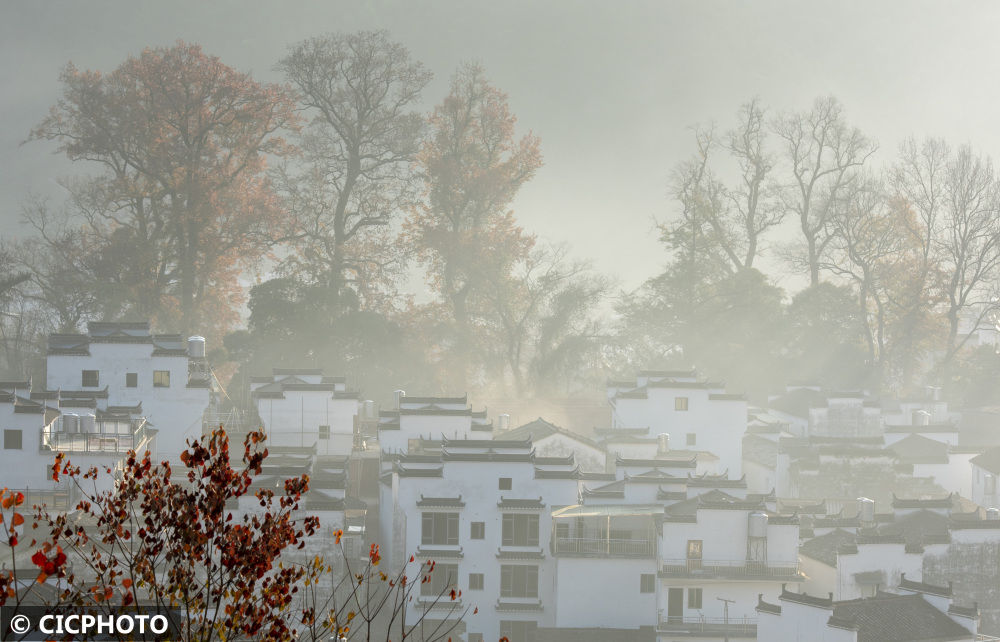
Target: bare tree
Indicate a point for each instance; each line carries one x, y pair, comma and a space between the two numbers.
754, 209
361, 90
822, 153
967, 242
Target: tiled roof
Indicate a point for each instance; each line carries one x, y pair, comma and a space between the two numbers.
824, 548
917, 449
898, 618
989, 460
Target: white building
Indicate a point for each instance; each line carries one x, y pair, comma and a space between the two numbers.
123, 365
303, 408
480, 510
718, 552
917, 612
985, 471
432, 418
550, 440
697, 415
35, 431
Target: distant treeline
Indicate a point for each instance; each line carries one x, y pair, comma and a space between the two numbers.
197, 179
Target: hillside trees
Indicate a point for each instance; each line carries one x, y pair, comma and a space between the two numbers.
178, 140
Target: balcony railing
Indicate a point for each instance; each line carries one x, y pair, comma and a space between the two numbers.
596, 547
53, 499
730, 568
700, 626
107, 437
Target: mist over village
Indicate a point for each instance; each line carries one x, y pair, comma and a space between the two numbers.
499, 321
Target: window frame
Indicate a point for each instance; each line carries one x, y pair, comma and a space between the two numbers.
516, 581
84, 378
695, 549
9, 437
692, 603
691, 439
477, 581
438, 521
519, 529
479, 527
506, 483
131, 379
324, 432
682, 404
157, 376
439, 583
647, 583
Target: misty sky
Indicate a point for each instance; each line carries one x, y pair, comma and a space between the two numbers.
611, 91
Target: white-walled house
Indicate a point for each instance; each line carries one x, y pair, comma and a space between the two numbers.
915, 613
432, 418
480, 509
719, 552
131, 367
550, 440
697, 415
35, 431
303, 407
985, 472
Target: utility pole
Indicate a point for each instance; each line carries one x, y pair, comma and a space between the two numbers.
725, 611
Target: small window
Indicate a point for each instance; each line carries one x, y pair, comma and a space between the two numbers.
692, 439
478, 530
476, 581
12, 440
91, 379
475, 637
161, 378
694, 549
324, 432
680, 403
506, 483
131, 380
694, 598
647, 583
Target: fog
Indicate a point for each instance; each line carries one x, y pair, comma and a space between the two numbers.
645, 322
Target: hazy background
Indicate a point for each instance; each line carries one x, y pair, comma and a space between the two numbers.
611, 90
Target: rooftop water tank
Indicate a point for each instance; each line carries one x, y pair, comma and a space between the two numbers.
196, 347
504, 422
88, 424
398, 396
71, 423
866, 510
758, 524
663, 443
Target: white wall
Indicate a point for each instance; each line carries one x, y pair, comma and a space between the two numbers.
603, 593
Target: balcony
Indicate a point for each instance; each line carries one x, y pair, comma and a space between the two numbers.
104, 437
731, 569
603, 547
700, 627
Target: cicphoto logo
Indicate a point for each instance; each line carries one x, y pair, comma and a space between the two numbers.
45, 623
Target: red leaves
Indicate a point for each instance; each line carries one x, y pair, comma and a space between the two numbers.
46, 565
373, 555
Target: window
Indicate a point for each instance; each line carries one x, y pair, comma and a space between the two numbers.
476, 581
692, 439
475, 637
694, 549
518, 581
91, 379
519, 530
680, 403
324, 432
131, 380
694, 598
647, 583
439, 529
12, 440
478, 530
442, 579
505, 483
518, 631
562, 530
161, 378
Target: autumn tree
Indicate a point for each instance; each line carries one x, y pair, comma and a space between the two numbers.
178, 140
472, 166
354, 176
821, 155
